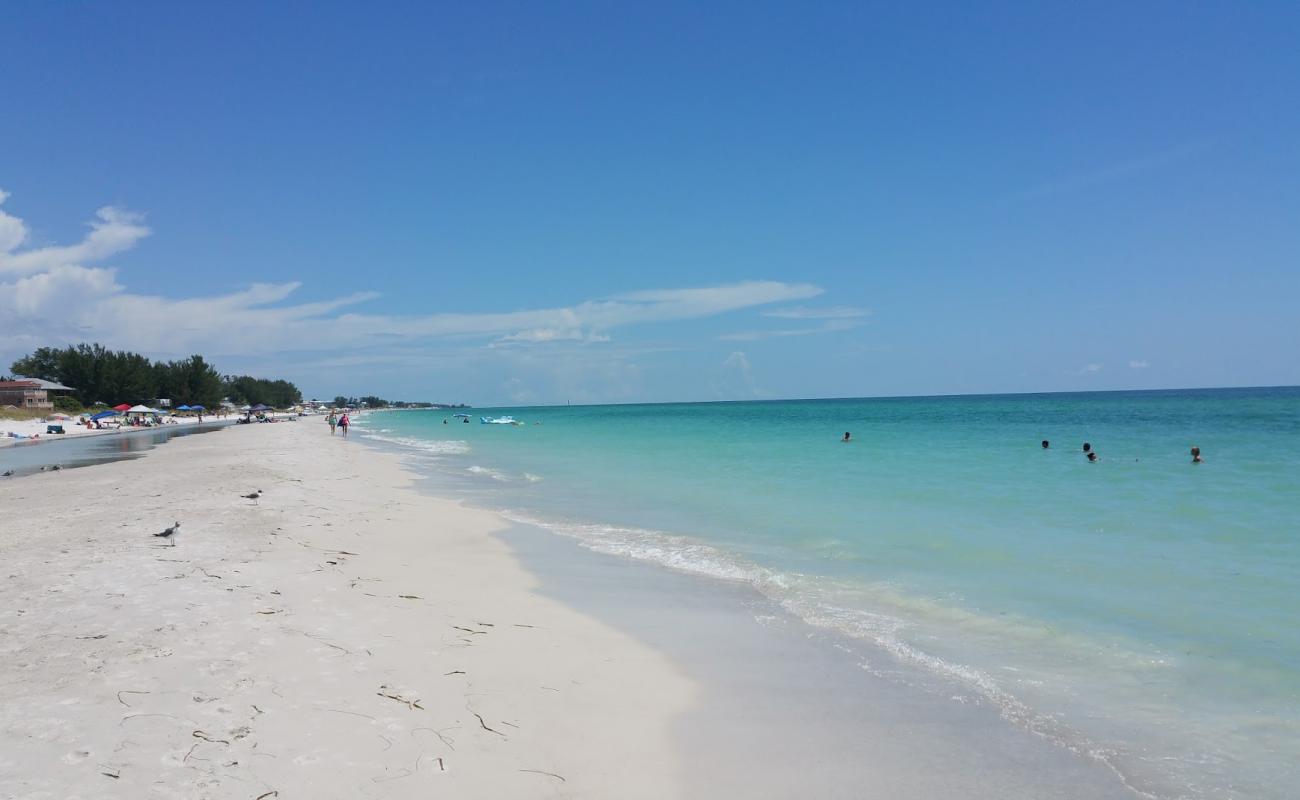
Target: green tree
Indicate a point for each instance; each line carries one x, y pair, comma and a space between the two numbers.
252, 391
191, 381
68, 405
43, 364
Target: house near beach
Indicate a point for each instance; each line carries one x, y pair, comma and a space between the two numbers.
30, 393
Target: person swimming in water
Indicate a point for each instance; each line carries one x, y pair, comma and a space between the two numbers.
1046, 444
1196, 456
848, 437
1087, 447
1092, 457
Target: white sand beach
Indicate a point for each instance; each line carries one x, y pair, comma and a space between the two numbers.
347, 635
18, 431
341, 636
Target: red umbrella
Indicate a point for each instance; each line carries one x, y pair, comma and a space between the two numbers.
123, 407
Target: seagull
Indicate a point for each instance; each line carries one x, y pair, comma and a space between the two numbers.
7, 473
169, 533
252, 496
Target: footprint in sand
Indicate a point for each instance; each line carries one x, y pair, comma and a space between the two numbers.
76, 756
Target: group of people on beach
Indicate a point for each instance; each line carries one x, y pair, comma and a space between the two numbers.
337, 421
1091, 454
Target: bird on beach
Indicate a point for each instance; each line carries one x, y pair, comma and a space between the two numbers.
170, 533
252, 496
7, 473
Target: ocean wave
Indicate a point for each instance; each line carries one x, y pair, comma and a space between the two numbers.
495, 475
818, 601
448, 447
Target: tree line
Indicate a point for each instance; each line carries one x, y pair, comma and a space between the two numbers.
371, 401
99, 375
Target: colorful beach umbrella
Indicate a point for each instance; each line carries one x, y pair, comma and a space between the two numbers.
183, 408
123, 407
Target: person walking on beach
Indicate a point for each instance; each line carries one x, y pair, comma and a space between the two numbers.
333, 421
343, 424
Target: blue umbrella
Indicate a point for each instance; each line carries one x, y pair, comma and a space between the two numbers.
183, 408
103, 414
197, 408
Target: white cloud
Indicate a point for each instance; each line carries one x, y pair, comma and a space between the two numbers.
52, 296
803, 312
1138, 365
112, 231
829, 326
1087, 369
739, 378
12, 230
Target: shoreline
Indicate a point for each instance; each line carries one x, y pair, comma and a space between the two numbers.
79, 433
350, 588
341, 636
761, 703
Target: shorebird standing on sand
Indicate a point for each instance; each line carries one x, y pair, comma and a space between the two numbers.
252, 496
170, 533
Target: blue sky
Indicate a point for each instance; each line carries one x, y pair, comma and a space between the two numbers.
516, 203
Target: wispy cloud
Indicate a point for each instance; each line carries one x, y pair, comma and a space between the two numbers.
804, 312
1089, 369
112, 231
1112, 173
738, 378
1138, 364
54, 295
830, 326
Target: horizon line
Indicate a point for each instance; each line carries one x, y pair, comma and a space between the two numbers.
862, 397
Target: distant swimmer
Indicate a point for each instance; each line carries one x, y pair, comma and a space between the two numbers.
848, 437
444, 422
1087, 448
1092, 457
1196, 456
1046, 444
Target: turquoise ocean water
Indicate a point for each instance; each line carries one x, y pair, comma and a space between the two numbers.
1142, 610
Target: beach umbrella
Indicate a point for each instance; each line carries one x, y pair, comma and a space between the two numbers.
57, 416
183, 408
140, 410
104, 414
197, 408
123, 407
260, 407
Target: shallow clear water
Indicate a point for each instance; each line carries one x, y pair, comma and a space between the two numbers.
1141, 610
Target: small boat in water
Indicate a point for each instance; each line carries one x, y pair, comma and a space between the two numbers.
498, 421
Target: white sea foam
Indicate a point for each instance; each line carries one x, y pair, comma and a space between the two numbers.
448, 447
816, 601
488, 472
